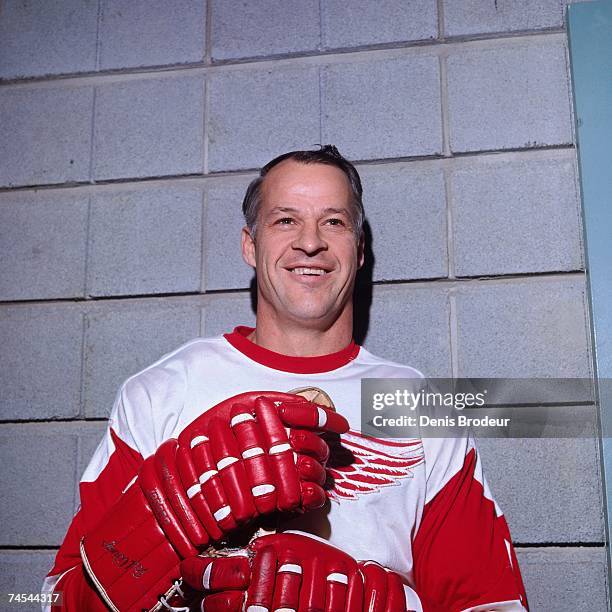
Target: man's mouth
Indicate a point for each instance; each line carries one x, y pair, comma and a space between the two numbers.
308, 271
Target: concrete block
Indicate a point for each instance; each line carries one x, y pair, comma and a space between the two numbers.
548, 488
480, 16
360, 22
43, 245
45, 135
365, 110
146, 241
406, 210
89, 436
223, 313
152, 127
509, 97
263, 27
151, 32
23, 571
523, 329
271, 112
409, 325
516, 216
121, 342
38, 478
40, 351
564, 579
40, 38
224, 266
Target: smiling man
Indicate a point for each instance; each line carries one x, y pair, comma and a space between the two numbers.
230, 435
304, 239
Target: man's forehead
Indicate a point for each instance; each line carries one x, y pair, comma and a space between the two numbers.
293, 183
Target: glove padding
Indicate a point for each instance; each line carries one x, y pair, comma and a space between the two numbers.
296, 572
237, 466
234, 462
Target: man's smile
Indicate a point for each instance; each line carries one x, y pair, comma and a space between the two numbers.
308, 270
308, 275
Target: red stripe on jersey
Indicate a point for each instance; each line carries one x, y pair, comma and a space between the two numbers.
288, 363
463, 555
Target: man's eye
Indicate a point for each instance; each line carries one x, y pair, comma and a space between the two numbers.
284, 221
335, 221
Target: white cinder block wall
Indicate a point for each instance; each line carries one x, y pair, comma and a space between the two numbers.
128, 132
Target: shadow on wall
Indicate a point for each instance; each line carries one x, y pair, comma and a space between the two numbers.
363, 290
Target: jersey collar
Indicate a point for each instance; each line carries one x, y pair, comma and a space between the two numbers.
287, 363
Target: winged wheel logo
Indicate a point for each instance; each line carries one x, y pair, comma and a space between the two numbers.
363, 464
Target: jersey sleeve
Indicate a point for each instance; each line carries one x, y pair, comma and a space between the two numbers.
114, 465
464, 560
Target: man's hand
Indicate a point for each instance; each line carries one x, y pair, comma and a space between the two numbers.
252, 454
297, 572
264, 456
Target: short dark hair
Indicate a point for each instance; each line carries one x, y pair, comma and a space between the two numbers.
328, 155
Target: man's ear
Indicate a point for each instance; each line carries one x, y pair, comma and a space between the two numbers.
361, 250
248, 247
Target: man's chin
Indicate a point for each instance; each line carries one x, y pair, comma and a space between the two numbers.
311, 317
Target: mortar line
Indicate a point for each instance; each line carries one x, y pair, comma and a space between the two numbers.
578, 207
85, 325
87, 247
98, 42
84, 319
320, 106
444, 105
441, 27
77, 475
59, 421
462, 281
320, 47
453, 332
570, 89
435, 282
208, 34
351, 55
583, 405
32, 547
203, 258
93, 302
549, 544
205, 129
92, 137
450, 222
560, 151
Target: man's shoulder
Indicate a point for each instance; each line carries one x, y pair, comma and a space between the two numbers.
180, 363
388, 368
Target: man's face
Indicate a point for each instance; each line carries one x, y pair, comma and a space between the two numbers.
305, 251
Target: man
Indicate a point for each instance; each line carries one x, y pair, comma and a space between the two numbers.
198, 448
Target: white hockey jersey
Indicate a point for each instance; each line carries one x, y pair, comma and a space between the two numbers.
420, 507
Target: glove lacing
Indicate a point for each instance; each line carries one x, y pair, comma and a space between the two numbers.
176, 589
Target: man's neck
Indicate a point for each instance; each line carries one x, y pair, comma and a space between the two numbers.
297, 341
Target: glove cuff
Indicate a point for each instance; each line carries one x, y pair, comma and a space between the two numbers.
128, 556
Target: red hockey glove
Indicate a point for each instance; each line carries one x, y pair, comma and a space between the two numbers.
236, 461
293, 571
246, 463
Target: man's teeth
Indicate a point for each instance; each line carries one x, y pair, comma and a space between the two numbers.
315, 271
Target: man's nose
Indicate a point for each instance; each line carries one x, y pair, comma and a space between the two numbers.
309, 239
